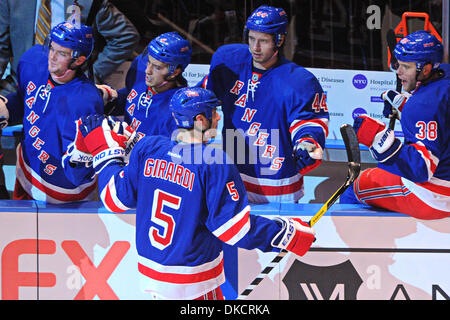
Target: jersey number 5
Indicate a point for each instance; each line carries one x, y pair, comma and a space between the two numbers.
161, 237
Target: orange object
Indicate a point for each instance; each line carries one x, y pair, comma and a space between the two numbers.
401, 30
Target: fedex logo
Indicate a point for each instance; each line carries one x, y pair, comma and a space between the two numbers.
96, 276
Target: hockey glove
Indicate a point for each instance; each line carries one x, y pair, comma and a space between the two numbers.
108, 93
394, 100
4, 113
77, 150
308, 154
102, 142
295, 235
123, 129
381, 141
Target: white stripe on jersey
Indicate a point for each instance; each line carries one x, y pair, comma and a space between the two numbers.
435, 193
234, 229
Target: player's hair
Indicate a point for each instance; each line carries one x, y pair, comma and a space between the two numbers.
189, 102
270, 20
420, 47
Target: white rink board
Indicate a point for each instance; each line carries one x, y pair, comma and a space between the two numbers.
88, 253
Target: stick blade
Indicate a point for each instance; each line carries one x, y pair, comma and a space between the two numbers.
351, 143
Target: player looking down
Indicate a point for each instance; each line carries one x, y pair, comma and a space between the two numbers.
275, 112
52, 94
412, 177
185, 208
152, 79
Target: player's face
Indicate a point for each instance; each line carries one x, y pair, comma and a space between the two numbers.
262, 48
156, 72
59, 58
407, 74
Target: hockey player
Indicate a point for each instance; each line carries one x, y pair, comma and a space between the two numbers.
275, 109
52, 94
151, 81
412, 177
185, 207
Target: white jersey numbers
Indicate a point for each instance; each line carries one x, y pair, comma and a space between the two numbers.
427, 130
161, 237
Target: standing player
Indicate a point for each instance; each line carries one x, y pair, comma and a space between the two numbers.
412, 177
52, 94
186, 208
153, 78
275, 109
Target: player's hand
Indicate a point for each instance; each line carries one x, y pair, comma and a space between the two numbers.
295, 236
4, 113
394, 100
77, 150
381, 141
108, 93
366, 128
308, 154
123, 129
101, 141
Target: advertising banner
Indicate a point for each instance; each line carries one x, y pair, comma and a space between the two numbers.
349, 93
82, 252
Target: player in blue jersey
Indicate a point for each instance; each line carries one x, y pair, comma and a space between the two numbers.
151, 81
412, 177
186, 203
52, 94
275, 112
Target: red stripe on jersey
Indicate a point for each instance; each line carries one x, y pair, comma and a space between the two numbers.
182, 278
53, 193
317, 121
109, 201
235, 229
426, 154
435, 188
274, 190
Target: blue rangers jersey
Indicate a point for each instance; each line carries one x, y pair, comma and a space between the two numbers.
49, 113
423, 161
144, 109
187, 206
264, 115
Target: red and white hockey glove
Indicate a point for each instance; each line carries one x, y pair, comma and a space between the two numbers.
295, 236
4, 113
308, 154
102, 142
77, 150
124, 129
381, 141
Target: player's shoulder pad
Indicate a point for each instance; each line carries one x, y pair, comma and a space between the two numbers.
230, 54
299, 78
36, 55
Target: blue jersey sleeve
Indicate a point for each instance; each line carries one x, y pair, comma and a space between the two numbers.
309, 111
230, 218
117, 182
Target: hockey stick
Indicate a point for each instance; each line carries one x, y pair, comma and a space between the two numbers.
354, 167
391, 43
